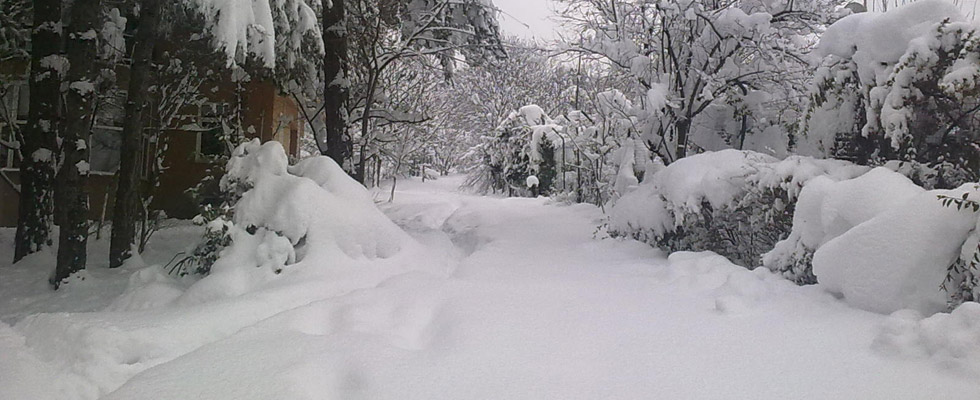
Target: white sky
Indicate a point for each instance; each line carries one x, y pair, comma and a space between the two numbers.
528, 19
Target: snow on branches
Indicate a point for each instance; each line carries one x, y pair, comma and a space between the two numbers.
243, 28
899, 86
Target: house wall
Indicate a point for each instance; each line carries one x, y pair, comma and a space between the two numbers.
265, 115
271, 116
98, 185
183, 170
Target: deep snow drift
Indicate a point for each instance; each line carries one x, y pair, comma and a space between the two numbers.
490, 298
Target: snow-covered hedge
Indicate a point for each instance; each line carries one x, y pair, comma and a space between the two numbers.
870, 235
883, 242
826, 209
735, 203
900, 257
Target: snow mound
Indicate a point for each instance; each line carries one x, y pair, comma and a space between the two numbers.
314, 201
23, 372
148, 288
899, 258
826, 209
310, 211
951, 340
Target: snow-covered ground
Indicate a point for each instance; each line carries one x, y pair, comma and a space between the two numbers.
499, 299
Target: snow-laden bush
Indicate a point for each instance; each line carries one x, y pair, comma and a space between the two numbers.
521, 146
901, 85
217, 195
900, 257
287, 214
963, 275
883, 242
826, 209
735, 203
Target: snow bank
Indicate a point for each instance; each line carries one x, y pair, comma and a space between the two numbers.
23, 373
899, 258
148, 288
287, 214
950, 340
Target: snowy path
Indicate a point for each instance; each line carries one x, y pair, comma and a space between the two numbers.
505, 299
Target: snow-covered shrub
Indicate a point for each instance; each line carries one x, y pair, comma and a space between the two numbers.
900, 257
735, 203
275, 214
217, 195
217, 235
963, 275
521, 146
900, 86
826, 209
289, 214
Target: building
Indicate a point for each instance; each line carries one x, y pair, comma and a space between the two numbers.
190, 144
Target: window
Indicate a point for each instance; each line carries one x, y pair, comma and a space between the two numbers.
9, 156
211, 114
210, 144
104, 147
23, 102
14, 106
211, 140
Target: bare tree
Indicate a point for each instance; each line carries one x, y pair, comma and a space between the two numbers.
686, 58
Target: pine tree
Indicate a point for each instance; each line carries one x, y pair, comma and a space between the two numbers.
71, 200
547, 168
336, 81
39, 142
125, 211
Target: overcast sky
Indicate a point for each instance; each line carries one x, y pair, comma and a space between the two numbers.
528, 19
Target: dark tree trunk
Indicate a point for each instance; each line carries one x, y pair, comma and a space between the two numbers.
336, 80
72, 199
126, 210
683, 129
361, 168
39, 141
366, 126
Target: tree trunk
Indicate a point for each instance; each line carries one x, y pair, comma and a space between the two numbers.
126, 209
336, 80
361, 168
39, 141
366, 125
683, 129
72, 199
